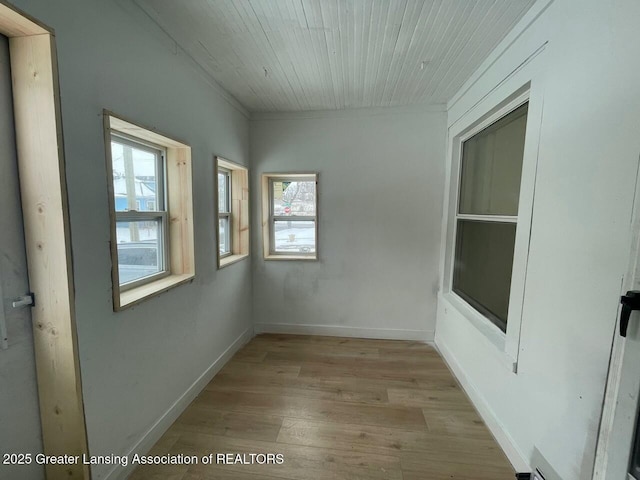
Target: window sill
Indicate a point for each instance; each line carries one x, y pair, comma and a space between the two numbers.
231, 259
136, 295
496, 338
307, 258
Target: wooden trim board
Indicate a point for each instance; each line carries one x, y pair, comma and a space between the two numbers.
47, 238
15, 23
240, 240
179, 207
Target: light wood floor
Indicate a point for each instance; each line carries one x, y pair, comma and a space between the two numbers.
336, 408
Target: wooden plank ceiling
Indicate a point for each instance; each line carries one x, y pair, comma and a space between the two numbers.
295, 55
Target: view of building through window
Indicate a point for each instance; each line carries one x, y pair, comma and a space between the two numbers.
294, 216
139, 201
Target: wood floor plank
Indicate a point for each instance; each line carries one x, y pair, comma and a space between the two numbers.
241, 368
378, 374
299, 461
448, 471
371, 379
449, 399
459, 451
202, 418
165, 443
338, 350
159, 472
308, 408
250, 354
456, 423
203, 473
383, 440
393, 365
343, 341
337, 389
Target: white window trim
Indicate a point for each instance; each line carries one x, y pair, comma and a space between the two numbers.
239, 222
179, 211
486, 112
268, 218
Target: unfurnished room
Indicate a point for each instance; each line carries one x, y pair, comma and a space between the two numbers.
319, 239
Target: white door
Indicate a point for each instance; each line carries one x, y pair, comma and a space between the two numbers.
19, 412
618, 452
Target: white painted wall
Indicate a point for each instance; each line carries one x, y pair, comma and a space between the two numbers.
381, 175
588, 159
136, 364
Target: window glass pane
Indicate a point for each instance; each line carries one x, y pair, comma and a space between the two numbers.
492, 167
224, 234
295, 237
483, 264
223, 192
294, 198
135, 177
139, 249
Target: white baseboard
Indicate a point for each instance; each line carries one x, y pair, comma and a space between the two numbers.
150, 438
511, 450
341, 331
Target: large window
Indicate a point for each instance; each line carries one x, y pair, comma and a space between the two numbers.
232, 208
290, 211
487, 215
151, 211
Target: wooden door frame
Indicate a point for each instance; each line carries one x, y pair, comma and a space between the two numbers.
41, 166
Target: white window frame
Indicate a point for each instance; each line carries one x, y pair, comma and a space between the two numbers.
492, 108
269, 218
486, 218
151, 216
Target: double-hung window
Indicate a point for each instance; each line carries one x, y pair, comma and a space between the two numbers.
486, 217
139, 171
291, 214
224, 212
151, 211
232, 184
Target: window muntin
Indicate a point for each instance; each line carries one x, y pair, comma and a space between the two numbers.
486, 217
224, 212
293, 215
141, 217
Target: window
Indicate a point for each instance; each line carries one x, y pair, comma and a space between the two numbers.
487, 215
224, 211
138, 171
291, 217
232, 211
151, 211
